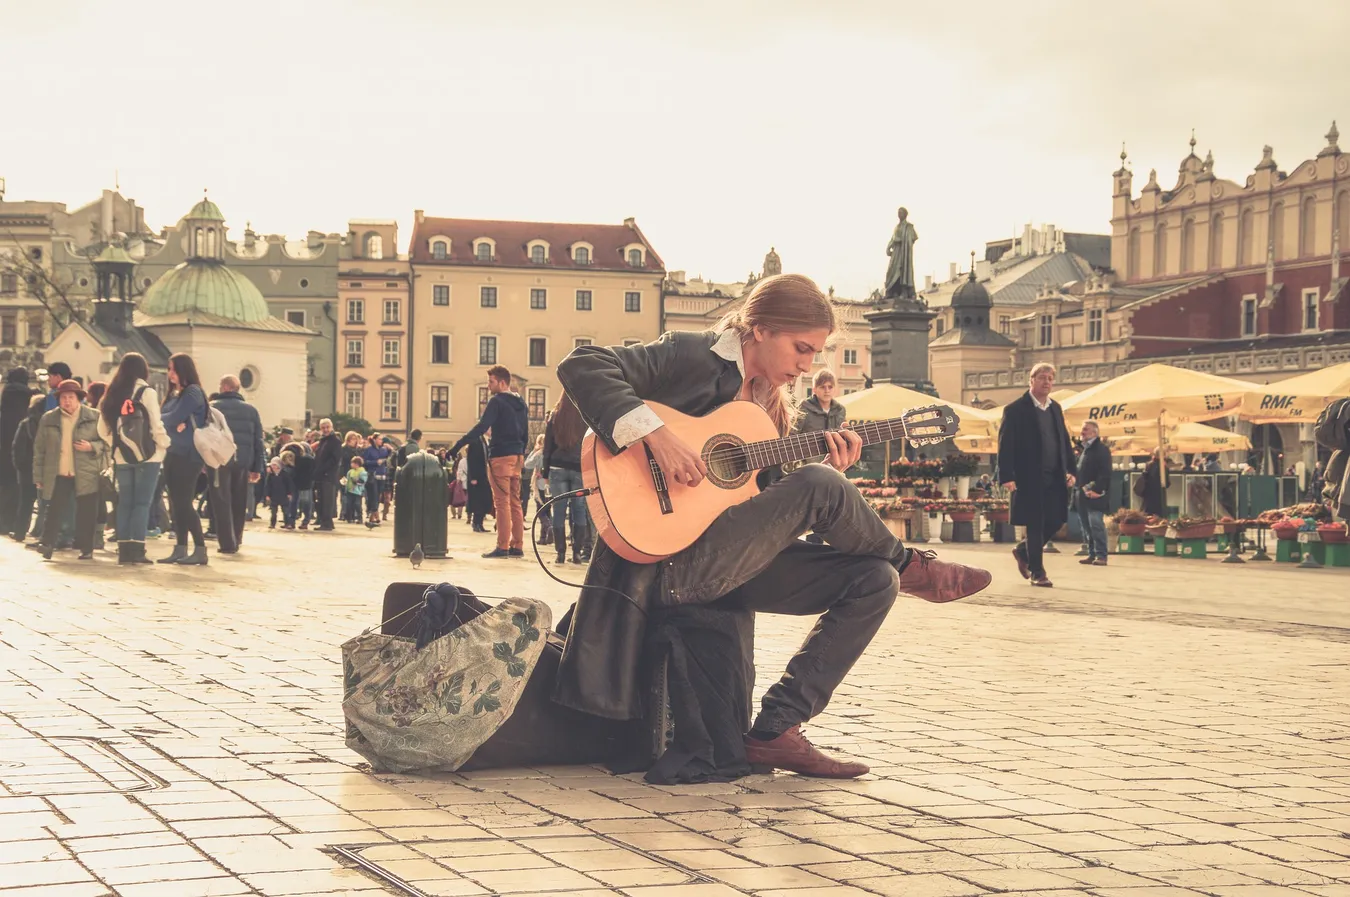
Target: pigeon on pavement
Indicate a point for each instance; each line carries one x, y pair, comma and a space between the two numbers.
417, 556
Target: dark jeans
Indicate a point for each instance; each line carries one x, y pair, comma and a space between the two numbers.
302, 502
1094, 529
136, 484
230, 490
561, 482
180, 479
752, 557
86, 511
327, 503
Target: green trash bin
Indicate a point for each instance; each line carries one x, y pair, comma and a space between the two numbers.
421, 500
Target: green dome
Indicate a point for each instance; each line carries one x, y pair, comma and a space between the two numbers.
205, 210
206, 286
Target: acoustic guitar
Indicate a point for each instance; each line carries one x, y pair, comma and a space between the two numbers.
645, 519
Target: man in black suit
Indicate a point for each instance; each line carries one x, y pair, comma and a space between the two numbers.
1035, 464
1094, 478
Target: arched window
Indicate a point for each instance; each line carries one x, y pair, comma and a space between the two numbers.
439, 250
1343, 219
1277, 231
1132, 250
211, 242
375, 246
635, 258
1216, 241
484, 250
1188, 246
1246, 237
1160, 250
197, 242
582, 255
1307, 228
538, 254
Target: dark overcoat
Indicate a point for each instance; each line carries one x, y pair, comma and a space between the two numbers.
1094, 474
1019, 461
600, 671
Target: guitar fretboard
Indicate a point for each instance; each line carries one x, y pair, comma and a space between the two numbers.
800, 446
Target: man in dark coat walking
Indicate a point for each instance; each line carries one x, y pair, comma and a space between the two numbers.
1035, 464
1094, 479
327, 472
232, 483
14, 400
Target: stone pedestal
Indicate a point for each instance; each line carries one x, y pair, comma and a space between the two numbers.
900, 344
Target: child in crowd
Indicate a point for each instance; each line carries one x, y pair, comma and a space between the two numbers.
354, 492
278, 492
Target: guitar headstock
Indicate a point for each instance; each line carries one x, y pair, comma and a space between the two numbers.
930, 425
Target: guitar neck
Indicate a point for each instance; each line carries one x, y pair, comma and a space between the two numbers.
801, 446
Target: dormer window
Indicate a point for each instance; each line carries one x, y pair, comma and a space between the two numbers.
374, 246
440, 250
538, 254
635, 258
581, 255
483, 251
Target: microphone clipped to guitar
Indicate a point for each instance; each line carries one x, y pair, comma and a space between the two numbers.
645, 519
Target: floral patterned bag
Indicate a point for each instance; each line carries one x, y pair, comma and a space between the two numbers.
410, 710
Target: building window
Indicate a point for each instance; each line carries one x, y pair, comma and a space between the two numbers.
538, 351
537, 397
483, 396
632, 301
487, 350
440, 348
9, 283
391, 311
487, 297
850, 356
1004, 324
635, 258
1249, 316
538, 298
440, 250
391, 353
440, 402
440, 294
354, 402
1094, 325
296, 316
582, 255
941, 326
632, 342
484, 251
389, 404
9, 331
304, 283
1310, 309
538, 254
374, 246
1047, 331
1307, 237
583, 300
581, 341
356, 311
356, 353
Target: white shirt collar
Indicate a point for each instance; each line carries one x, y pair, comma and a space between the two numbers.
1045, 406
728, 347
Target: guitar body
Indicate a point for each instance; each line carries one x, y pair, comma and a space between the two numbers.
628, 508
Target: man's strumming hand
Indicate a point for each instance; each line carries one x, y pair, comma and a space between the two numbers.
676, 459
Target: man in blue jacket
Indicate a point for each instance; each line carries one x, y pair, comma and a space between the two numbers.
230, 484
508, 418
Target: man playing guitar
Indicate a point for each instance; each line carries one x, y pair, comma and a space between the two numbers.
751, 556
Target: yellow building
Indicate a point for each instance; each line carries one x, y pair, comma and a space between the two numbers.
521, 294
374, 316
698, 304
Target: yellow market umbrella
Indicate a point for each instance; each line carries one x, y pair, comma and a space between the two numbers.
1189, 437
1156, 393
1060, 395
888, 400
1299, 399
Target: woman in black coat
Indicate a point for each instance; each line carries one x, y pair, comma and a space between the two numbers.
14, 399
1155, 502
480, 488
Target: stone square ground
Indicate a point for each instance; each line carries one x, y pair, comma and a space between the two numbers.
1157, 727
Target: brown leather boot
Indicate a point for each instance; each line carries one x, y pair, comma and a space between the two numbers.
792, 752
939, 581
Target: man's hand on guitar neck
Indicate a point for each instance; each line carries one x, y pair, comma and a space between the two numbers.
677, 460
845, 448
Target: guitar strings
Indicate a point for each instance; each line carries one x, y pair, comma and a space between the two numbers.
768, 450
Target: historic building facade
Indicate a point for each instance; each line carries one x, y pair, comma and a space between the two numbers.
522, 294
698, 304
374, 352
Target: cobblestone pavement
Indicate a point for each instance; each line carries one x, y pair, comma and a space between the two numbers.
1157, 727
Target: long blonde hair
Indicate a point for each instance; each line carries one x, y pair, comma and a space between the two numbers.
785, 303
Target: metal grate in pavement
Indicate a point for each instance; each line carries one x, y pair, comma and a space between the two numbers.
71, 764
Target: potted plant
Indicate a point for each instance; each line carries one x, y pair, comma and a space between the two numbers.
996, 509
961, 467
961, 511
1131, 522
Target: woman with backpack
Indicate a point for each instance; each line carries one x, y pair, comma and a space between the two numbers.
184, 411
129, 422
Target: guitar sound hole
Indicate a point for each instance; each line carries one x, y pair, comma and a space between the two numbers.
726, 464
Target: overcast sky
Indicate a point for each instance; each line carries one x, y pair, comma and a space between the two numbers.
724, 127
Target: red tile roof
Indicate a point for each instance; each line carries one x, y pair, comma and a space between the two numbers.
512, 237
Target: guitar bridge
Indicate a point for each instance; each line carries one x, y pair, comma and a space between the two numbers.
659, 481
